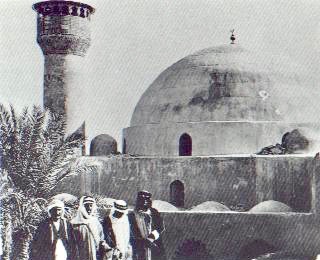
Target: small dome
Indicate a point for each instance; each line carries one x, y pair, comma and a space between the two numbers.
103, 145
105, 201
163, 205
105, 205
70, 204
270, 206
210, 206
65, 197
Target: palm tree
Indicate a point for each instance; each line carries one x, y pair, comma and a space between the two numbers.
25, 214
5, 216
36, 157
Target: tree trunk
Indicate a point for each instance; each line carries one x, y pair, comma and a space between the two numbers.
21, 243
6, 233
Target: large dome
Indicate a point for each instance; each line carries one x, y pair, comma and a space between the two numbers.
226, 83
222, 100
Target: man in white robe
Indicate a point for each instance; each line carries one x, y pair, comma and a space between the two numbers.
116, 229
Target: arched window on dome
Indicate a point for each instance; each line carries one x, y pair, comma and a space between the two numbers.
185, 145
177, 193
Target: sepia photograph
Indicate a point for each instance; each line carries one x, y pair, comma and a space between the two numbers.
159, 130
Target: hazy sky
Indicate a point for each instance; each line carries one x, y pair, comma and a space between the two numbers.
134, 41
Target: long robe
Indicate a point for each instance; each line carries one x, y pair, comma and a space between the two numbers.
117, 235
45, 242
88, 234
143, 224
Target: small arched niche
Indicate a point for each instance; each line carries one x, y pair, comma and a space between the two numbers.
185, 145
177, 193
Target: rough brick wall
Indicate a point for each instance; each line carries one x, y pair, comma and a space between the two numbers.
233, 181
226, 234
291, 179
63, 34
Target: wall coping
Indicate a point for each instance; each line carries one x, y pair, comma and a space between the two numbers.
284, 214
304, 155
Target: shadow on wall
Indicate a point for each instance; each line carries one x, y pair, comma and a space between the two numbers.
284, 256
192, 249
256, 249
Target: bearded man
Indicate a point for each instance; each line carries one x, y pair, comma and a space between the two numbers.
147, 228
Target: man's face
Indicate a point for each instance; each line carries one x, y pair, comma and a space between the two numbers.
118, 214
88, 207
56, 213
145, 202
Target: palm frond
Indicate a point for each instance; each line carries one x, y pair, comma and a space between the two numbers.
37, 157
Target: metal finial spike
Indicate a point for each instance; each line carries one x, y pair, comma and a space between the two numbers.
233, 37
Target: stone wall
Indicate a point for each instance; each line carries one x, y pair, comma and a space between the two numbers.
233, 181
208, 138
293, 180
225, 235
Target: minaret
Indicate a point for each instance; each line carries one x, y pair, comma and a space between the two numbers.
64, 36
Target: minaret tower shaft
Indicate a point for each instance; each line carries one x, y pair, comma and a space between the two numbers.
63, 34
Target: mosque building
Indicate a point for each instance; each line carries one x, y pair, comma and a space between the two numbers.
206, 130
220, 100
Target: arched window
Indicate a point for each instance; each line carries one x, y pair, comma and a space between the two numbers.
82, 12
74, 11
177, 193
185, 145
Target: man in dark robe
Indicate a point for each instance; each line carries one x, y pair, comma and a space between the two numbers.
147, 228
53, 239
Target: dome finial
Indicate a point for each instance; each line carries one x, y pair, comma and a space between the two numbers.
232, 38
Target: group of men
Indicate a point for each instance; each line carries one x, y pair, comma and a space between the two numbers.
122, 235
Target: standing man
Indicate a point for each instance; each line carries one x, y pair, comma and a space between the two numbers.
53, 239
116, 230
147, 228
88, 231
